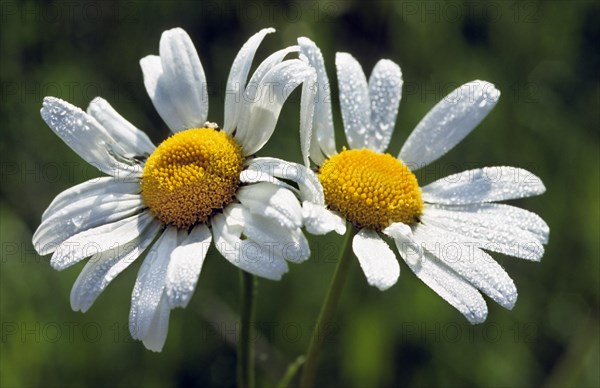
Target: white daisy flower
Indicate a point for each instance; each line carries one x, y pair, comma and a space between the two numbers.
187, 191
441, 230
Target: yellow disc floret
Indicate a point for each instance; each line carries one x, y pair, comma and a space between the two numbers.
371, 190
191, 175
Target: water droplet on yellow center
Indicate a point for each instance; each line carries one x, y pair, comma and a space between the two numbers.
371, 190
191, 175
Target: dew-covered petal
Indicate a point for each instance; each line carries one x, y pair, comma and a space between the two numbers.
133, 140
91, 188
376, 259
469, 262
492, 230
245, 254
159, 327
451, 287
385, 91
270, 169
354, 100
150, 285
287, 243
184, 78
88, 138
236, 83
448, 123
81, 215
99, 239
185, 266
322, 125
103, 267
319, 220
409, 249
269, 200
257, 123
488, 184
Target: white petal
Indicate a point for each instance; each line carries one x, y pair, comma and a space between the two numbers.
257, 124
159, 327
318, 220
102, 268
245, 254
268, 169
450, 286
92, 188
448, 123
409, 249
470, 263
269, 200
487, 184
134, 140
150, 285
385, 91
376, 259
322, 127
354, 100
99, 239
307, 110
81, 215
236, 83
495, 233
184, 79
90, 140
287, 243
185, 266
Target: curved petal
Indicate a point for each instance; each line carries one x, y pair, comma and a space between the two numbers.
257, 124
103, 267
376, 259
409, 249
448, 123
470, 263
354, 100
84, 214
451, 287
89, 139
268, 169
498, 234
319, 220
150, 286
245, 254
185, 265
385, 91
322, 125
134, 140
272, 201
488, 184
99, 239
236, 82
159, 327
183, 78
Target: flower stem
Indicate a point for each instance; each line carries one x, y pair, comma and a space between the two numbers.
326, 314
245, 351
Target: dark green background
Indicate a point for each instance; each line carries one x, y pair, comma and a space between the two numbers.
543, 56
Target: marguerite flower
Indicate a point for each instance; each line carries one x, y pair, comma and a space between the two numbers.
183, 193
441, 230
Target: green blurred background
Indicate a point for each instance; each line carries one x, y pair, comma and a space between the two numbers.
544, 58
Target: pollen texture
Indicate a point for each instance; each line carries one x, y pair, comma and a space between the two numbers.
371, 190
191, 175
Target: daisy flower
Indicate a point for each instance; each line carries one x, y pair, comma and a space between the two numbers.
174, 199
441, 230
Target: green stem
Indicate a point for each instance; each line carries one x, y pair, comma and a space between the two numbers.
328, 308
245, 350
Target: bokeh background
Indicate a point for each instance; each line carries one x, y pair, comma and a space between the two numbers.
544, 58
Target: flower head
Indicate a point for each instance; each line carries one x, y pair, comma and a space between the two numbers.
441, 230
188, 191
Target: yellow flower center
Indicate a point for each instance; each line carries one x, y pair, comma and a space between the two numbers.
371, 190
191, 175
